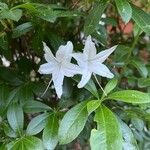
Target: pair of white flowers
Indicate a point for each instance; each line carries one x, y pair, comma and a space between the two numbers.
88, 62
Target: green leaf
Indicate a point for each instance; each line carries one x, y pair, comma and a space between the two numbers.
130, 96
92, 106
143, 82
26, 143
11, 14
94, 17
121, 54
15, 118
4, 92
136, 30
129, 142
140, 66
35, 107
110, 86
138, 123
9, 131
37, 124
90, 86
3, 6
48, 13
108, 134
73, 123
22, 29
124, 10
50, 133
141, 18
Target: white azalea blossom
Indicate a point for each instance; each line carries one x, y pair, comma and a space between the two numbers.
90, 62
59, 66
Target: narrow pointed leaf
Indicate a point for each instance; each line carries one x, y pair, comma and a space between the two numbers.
73, 123
15, 118
141, 18
110, 86
130, 96
37, 124
94, 17
35, 107
124, 10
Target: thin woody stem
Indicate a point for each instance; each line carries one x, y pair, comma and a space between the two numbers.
99, 85
47, 88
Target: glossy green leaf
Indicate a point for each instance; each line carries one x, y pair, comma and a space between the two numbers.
15, 118
130, 96
140, 66
92, 105
26, 143
141, 18
35, 107
73, 123
50, 133
108, 134
22, 29
124, 10
110, 86
37, 124
94, 17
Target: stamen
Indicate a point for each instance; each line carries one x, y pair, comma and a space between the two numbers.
99, 84
46, 88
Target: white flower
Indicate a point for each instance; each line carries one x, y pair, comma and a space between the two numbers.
90, 62
59, 66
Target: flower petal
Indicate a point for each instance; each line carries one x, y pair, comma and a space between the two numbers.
89, 48
46, 68
102, 56
100, 69
48, 54
81, 59
64, 52
71, 69
85, 78
58, 78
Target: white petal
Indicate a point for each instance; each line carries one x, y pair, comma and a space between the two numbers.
71, 69
102, 56
85, 78
89, 48
58, 78
100, 69
46, 68
64, 52
48, 54
81, 59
